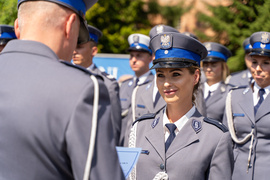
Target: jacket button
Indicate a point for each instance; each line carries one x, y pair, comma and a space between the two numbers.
162, 166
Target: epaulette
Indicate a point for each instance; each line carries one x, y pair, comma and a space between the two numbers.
238, 87
110, 77
81, 68
216, 123
144, 117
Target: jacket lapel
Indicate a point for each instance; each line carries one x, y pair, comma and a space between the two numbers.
155, 137
263, 109
217, 95
185, 137
147, 96
246, 104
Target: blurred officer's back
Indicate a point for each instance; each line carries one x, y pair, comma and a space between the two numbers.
47, 109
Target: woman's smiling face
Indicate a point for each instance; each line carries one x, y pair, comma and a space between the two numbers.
176, 85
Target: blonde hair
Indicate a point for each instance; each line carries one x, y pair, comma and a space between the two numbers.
192, 70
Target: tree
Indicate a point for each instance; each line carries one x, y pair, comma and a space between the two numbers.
8, 11
234, 23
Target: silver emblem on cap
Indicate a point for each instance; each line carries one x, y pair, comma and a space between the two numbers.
136, 38
265, 38
165, 41
166, 52
262, 46
160, 29
208, 46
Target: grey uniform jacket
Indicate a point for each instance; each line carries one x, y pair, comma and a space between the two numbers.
46, 110
215, 105
126, 91
113, 88
239, 79
201, 150
244, 121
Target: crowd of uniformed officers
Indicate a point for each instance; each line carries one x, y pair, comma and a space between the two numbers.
62, 117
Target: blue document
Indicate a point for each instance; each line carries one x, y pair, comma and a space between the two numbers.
128, 158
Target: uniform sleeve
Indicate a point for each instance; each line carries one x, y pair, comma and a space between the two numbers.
116, 110
105, 164
221, 166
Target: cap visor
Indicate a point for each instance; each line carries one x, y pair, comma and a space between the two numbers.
83, 32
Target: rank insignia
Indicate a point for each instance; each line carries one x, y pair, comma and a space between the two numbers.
166, 41
196, 125
265, 38
159, 29
155, 122
136, 38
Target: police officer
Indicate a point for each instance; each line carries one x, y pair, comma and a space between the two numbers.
6, 34
140, 58
83, 56
242, 78
248, 115
55, 117
214, 89
178, 142
148, 99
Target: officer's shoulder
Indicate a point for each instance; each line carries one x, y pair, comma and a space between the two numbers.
233, 88
127, 80
216, 123
80, 68
107, 76
145, 117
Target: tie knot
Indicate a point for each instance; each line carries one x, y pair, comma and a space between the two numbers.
261, 92
136, 81
171, 127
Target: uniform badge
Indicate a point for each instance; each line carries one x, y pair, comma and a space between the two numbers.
159, 29
155, 122
265, 38
166, 41
196, 125
208, 46
136, 38
246, 90
130, 83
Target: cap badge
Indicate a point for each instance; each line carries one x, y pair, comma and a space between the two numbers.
196, 125
166, 41
208, 46
262, 46
136, 38
166, 52
160, 29
265, 38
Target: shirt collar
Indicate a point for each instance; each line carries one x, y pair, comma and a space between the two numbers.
142, 78
180, 122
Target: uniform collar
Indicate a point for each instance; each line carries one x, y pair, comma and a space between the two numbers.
142, 78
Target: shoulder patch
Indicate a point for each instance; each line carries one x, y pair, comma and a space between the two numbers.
216, 123
145, 117
81, 68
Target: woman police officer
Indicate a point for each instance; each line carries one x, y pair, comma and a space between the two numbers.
178, 142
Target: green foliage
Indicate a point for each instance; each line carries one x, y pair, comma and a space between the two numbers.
8, 11
233, 24
117, 20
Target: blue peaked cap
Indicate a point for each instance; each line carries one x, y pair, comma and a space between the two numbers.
176, 50
78, 6
247, 46
260, 42
216, 52
6, 34
94, 33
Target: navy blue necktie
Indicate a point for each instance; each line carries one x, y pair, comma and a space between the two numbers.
171, 128
209, 95
261, 92
136, 82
